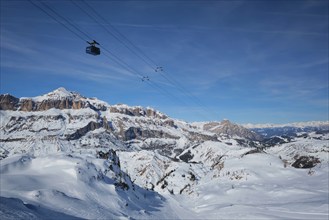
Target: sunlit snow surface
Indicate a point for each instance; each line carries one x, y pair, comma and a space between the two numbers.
62, 186
49, 168
270, 191
73, 186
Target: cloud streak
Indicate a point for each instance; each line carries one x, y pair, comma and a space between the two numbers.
47, 60
177, 28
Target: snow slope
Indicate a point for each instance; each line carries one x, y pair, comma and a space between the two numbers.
84, 189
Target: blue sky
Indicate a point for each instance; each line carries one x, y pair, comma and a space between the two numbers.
247, 61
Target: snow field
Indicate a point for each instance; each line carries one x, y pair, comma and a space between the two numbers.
71, 185
248, 186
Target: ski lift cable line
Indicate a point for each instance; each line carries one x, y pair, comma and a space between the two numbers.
118, 60
171, 81
174, 99
76, 34
165, 92
141, 54
58, 21
118, 32
111, 33
153, 84
122, 63
65, 19
188, 93
113, 57
141, 76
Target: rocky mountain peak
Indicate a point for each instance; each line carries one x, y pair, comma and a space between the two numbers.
8, 102
59, 94
226, 122
228, 128
61, 90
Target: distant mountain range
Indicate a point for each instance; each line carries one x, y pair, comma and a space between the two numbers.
291, 129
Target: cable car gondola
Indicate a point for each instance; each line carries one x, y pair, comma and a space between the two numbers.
92, 49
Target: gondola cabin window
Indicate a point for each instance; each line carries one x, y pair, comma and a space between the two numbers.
93, 50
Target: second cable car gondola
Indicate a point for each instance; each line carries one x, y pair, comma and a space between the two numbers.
92, 49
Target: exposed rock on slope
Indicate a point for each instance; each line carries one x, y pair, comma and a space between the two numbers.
59, 99
62, 118
228, 128
306, 162
8, 102
136, 111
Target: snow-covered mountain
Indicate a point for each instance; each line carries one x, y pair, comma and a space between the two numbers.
294, 124
291, 129
229, 129
65, 155
63, 120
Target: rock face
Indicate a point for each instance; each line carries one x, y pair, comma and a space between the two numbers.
228, 128
91, 126
27, 105
137, 133
136, 111
8, 102
93, 123
62, 118
59, 99
122, 179
306, 162
60, 104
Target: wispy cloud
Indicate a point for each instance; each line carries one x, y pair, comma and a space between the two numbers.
195, 28
285, 87
296, 14
312, 63
285, 32
16, 44
28, 55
